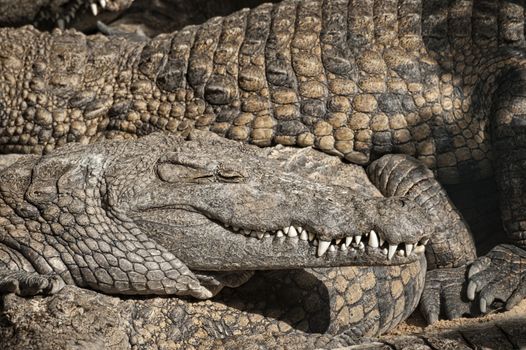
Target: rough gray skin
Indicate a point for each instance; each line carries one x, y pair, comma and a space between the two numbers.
166, 216
359, 79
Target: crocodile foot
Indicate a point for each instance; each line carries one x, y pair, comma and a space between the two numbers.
29, 283
500, 275
444, 295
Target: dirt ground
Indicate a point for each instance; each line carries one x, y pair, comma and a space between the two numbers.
496, 331
416, 324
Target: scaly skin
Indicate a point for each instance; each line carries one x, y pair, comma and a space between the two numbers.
359, 79
140, 217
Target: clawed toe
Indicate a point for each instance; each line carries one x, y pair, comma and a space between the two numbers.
29, 284
443, 295
498, 276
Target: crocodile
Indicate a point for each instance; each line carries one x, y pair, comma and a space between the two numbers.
359, 79
144, 17
140, 218
61, 13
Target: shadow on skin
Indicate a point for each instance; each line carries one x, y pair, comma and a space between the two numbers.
296, 297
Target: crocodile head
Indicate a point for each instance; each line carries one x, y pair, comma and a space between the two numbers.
220, 205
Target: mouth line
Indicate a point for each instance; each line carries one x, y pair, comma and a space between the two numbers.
370, 241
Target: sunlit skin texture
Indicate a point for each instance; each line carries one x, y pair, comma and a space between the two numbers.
441, 82
141, 218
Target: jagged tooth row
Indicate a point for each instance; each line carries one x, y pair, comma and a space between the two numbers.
403, 249
351, 243
291, 232
374, 241
73, 9
95, 8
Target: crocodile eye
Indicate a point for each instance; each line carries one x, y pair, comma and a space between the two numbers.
177, 167
228, 174
178, 173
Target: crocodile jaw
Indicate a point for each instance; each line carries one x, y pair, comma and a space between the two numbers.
208, 245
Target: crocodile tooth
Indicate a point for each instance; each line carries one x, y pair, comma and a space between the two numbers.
343, 247
424, 241
420, 249
322, 247
339, 240
361, 246
292, 232
102, 3
267, 235
235, 228
384, 251
400, 252
381, 241
358, 239
299, 229
94, 9
348, 241
253, 234
279, 233
408, 248
304, 236
246, 232
315, 242
61, 24
311, 236
373, 240
392, 251
260, 235
286, 230
332, 248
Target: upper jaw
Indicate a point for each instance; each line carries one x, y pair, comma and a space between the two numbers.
372, 243
284, 234
215, 246
368, 232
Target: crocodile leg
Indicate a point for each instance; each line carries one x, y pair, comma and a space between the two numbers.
501, 274
111, 260
129, 274
451, 248
18, 276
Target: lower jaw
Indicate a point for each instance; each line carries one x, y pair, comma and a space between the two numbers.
280, 261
